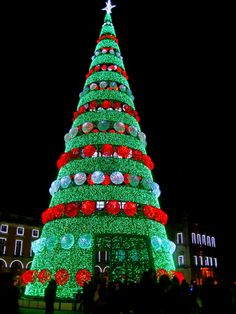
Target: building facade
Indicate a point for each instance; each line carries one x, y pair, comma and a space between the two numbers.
196, 250
16, 236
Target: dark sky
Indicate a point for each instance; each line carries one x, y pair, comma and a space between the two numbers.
178, 59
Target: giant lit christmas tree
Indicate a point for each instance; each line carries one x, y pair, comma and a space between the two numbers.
104, 215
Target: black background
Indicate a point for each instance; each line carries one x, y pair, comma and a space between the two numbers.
179, 61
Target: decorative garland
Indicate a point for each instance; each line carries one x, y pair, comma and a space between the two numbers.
87, 208
106, 150
107, 86
83, 276
107, 76
106, 105
106, 67
99, 177
107, 50
108, 36
105, 126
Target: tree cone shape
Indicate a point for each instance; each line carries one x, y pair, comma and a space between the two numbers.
104, 217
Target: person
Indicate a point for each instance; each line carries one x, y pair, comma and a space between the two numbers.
148, 294
99, 298
50, 296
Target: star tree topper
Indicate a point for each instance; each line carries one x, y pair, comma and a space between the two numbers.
109, 7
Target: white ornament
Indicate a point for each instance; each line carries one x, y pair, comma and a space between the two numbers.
80, 178
65, 182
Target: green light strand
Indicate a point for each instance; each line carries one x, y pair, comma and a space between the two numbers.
104, 193
102, 138
105, 164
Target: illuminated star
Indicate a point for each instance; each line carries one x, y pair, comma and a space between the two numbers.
109, 7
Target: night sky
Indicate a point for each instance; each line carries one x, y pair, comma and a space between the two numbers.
178, 59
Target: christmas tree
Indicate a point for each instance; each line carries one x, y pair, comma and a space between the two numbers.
104, 217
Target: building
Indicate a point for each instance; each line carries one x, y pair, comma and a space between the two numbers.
16, 236
196, 250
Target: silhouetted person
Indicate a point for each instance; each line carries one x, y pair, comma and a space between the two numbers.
148, 296
87, 297
208, 295
115, 299
100, 298
50, 296
176, 300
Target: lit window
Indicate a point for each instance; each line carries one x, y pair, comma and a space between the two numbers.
35, 233
4, 228
213, 242
31, 250
208, 241
179, 238
199, 241
100, 205
201, 260
211, 261
3, 246
203, 239
193, 238
180, 260
20, 231
195, 260
18, 248
215, 261
206, 261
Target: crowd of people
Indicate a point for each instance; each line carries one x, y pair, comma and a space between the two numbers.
148, 296
152, 296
